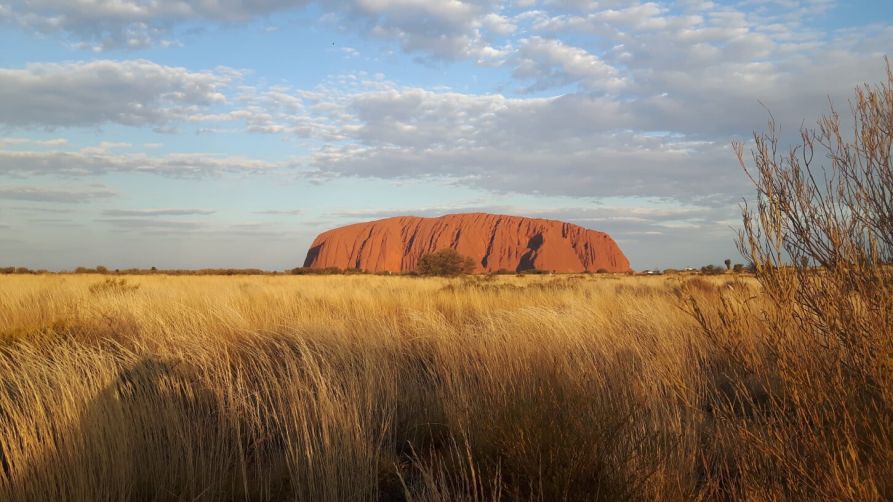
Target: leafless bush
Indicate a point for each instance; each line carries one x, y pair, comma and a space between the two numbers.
803, 378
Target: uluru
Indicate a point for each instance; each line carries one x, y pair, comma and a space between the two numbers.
495, 242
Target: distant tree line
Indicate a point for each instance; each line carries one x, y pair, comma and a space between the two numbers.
144, 271
727, 267
445, 262
21, 270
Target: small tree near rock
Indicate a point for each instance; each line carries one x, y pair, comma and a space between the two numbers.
446, 262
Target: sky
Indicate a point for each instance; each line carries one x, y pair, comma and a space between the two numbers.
228, 133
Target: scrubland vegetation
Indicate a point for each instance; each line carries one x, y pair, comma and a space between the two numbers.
567, 387
363, 387
352, 387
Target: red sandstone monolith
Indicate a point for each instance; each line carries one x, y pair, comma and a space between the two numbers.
495, 242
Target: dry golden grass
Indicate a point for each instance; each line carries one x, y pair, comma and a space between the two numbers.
344, 388
367, 387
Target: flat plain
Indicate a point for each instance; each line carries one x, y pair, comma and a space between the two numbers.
368, 387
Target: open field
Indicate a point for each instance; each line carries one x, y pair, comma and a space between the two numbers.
367, 387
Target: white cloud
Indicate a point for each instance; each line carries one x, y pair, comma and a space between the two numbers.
134, 93
448, 29
498, 24
101, 160
703, 69
439, 28
659, 94
131, 23
552, 63
662, 132
572, 145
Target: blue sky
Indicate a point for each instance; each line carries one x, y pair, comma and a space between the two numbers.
228, 133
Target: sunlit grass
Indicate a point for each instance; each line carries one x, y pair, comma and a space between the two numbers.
356, 387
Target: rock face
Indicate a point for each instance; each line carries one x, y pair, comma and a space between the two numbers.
495, 242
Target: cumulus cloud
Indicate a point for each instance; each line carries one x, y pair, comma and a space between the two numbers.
552, 63
687, 68
684, 85
131, 23
639, 166
578, 145
665, 135
656, 94
133, 93
439, 28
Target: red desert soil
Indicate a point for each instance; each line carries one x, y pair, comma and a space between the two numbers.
495, 242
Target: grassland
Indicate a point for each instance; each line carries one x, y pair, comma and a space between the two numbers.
393, 388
